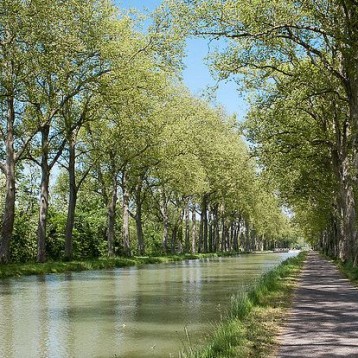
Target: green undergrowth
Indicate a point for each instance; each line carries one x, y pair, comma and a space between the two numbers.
349, 270
20, 269
346, 268
255, 316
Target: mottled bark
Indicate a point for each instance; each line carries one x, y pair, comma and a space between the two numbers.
72, 200
350, 65
165, 217
235, 236
210, 230
125, 214
187, 227
216, 229
9, 171
138, 219
350, 198
247, 244
203, 236
112, 207
173, 239
193, 229
223, 234
44, 195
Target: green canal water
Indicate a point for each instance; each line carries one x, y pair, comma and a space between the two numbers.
128, 312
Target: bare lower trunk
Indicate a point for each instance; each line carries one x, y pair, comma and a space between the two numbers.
216, 230
351, 200
43, 212
187, 227
210, 231
350, 63
350, 224
44, 196
223, 235
9, 207
112, 218
138, 221
345, 210
173, 239
247, 237
235, 236
8, 217
193, 230
71, 202
125, 213
165, 216
204, 217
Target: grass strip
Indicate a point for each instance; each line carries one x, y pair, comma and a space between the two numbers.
348, 270
22, 269
255, 316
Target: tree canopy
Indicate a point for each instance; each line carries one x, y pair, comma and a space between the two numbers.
104, 151
299, 61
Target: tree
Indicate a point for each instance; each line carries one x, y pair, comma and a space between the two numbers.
68, 58
265, 40
16, 38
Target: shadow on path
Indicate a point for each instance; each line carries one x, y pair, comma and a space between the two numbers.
324, 318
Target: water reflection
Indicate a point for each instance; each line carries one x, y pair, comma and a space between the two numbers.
125, 312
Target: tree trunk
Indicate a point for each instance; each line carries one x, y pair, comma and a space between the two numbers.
43, 209
211, 231
350, 200
247, 237
173, 239
350, 224
223, 234
44, 195
350, 64
203, 237
165, 216
187, 227
71, 200
193, 229
138, 219
125, 213
236, 236
9, 207
345, 205
216, 229
112, 206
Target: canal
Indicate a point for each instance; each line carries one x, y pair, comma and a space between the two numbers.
127, 312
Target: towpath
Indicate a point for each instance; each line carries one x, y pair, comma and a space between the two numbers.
324, 319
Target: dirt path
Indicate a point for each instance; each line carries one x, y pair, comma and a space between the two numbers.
324, 318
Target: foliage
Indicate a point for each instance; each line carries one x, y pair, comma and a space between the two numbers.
293, 58
108, 153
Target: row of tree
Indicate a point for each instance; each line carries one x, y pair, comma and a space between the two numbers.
104, 151
300, 61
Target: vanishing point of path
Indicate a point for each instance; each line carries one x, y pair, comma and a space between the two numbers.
324, 318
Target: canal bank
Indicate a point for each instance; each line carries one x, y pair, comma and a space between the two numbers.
251, 327
27, 269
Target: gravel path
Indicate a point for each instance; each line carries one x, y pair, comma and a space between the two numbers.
324, 318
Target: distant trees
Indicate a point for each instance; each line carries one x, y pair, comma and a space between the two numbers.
300, 59
105, 152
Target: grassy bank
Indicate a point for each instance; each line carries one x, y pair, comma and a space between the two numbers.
19, 269
350, 271
254, 319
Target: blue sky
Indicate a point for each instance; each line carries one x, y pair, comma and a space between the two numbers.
196, 74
